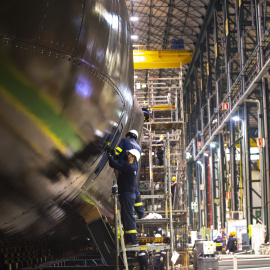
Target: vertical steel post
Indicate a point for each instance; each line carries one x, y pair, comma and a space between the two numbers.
212, 177
222, 194
170, 196
265, 117
115, 194
151, 169
232, 165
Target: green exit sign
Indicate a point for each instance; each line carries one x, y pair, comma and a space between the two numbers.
258, 213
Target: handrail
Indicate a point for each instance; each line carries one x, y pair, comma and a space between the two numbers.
237, 98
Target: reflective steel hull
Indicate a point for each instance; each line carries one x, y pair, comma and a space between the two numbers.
66, 91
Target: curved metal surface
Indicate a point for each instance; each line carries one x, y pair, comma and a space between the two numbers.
66, 90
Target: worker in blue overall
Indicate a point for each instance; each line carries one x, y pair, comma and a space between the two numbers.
219, 243
142, 257
146, 114
232, 243
173, 186
160, 151
160, 260
127, 185
126, 144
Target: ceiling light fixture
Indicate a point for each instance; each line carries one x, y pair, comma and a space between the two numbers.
213, 145
134, 37
236, 118
134, 19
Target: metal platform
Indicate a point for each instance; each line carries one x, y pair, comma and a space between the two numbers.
150, 247
163, 125
161, 196
163, 211
152, 221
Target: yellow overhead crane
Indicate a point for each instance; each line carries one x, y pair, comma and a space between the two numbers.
144, 59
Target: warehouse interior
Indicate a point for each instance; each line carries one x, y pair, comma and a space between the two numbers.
191, 78
214, 101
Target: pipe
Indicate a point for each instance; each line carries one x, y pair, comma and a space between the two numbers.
261, 158
194, 148
265, 124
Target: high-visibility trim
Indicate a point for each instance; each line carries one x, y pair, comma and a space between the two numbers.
138, 204
131, 231
119, 233
219, 244
118, 150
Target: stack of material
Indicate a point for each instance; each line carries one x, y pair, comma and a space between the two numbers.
146, 240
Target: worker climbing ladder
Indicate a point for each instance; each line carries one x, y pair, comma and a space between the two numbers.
119, 231
166, 119
165, 131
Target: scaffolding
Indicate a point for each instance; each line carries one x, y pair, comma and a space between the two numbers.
163, 97
165, 101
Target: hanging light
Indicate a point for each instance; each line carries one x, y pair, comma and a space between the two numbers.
213, 145
236, 118
134, 19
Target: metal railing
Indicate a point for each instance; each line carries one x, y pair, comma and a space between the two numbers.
251, 72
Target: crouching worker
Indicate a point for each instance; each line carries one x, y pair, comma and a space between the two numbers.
160, 260
142, 257
127, 185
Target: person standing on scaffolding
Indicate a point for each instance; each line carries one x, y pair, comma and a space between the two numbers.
127, 185
160, 150
126, 144
173, 186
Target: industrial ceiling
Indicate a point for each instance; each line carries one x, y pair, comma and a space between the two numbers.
158, 24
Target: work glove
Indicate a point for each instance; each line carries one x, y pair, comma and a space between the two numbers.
110, 151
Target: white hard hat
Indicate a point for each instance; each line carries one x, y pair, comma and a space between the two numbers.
133, 133
135, 153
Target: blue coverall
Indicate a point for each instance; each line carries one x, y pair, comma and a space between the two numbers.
160, 144
127, 184
121, 150
232, 244
219, 243
146, 115
143, 259
158, 264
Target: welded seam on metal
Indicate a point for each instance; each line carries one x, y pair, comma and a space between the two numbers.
234, 109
